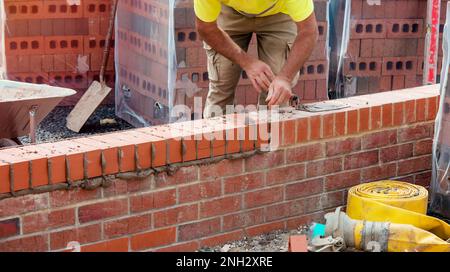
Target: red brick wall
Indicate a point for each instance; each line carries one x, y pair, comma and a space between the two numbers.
237, 191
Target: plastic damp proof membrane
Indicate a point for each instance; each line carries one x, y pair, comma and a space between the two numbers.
440, 185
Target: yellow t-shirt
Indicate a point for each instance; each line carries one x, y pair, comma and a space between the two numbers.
299, 10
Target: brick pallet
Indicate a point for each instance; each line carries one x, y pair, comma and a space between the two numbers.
54, 42
386, 47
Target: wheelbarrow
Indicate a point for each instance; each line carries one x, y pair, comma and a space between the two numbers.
23, 106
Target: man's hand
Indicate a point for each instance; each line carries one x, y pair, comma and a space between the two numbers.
259, 74
279, 91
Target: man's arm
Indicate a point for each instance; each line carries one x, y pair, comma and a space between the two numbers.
307, 34
258, 72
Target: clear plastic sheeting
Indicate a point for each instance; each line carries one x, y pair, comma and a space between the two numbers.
161, 65
2, 41
144, 57
440, 185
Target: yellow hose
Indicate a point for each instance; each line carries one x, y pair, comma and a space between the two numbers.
395, 202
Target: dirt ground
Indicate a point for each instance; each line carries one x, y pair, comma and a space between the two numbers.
276, 241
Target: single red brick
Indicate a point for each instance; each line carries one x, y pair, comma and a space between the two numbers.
221, 169
264, 161
362, 159
387, 115
153, 200
375, 117
414, 165
379, 172
102, 210
243, 219
432, 109
423, 147
83, 235
48, 220
199, 191
304, 188
352, 121
345, 146
180, 176
197, 230
379, 139
263, 197
175, 216
328, 125
340, 123
315, 127
298, 243
37, 243
153, 239
342, 180
289, 129
243, 183
324, 201
285, 210
305, 153
122, 187
414, 133
421, 110
398, 113
127, 225
23, 204
285, 174
117, 245
397, 152
323, 167
9, 227
364, 119
220, 206
61, 198
302, 130
410, 111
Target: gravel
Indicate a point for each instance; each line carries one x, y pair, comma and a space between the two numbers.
53, 127
275, 241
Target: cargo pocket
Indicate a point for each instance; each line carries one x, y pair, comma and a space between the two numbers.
288, 51
211, 54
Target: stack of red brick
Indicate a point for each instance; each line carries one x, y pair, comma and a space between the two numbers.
386, 46
57, 42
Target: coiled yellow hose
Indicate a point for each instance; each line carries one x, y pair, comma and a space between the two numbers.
395, 202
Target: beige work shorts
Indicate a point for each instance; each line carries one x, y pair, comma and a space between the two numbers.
275, 36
